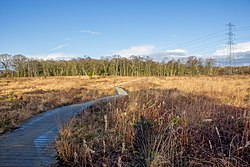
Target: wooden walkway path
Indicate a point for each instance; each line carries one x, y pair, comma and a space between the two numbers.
32, 143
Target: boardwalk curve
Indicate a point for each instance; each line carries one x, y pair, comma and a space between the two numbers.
32, 143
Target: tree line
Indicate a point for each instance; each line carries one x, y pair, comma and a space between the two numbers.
22, 66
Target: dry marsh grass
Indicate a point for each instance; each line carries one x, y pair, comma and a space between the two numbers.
165, 121
21, 98
232, 90
181, 121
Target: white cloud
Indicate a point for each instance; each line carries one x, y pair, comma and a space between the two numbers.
238, 48
59, 47
135, 50
56, 56
242, 47
169, 54
147, 50
59, 56
179, 51
90, 32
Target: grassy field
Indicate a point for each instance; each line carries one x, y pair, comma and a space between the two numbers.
178, 121
21, 98
173, 121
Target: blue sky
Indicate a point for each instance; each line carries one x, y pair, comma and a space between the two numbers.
158, 28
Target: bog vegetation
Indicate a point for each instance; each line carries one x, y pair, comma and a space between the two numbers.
176, 121
21, 66
21, 98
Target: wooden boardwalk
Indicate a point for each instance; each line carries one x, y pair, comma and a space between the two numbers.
32, 143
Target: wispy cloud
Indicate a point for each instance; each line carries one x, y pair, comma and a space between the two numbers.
135, 50
90, 32
59, 47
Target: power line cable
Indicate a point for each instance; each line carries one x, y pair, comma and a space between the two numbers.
197, 39
243, 27
208, 45
206, 37
203, 40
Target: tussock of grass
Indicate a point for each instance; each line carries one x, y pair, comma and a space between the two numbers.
158, 128
85, 141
